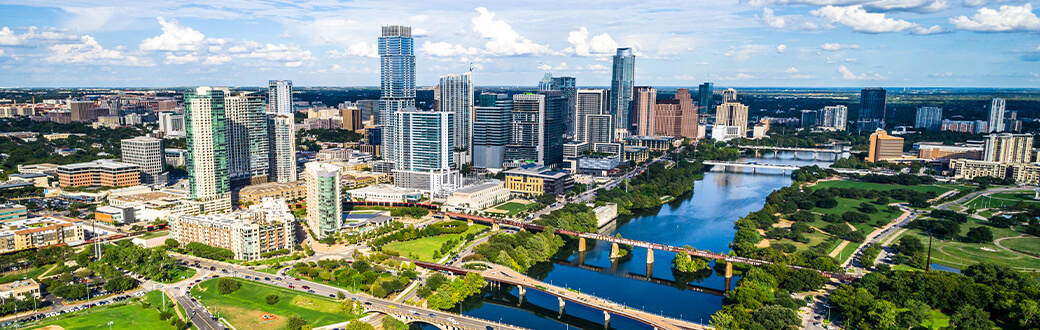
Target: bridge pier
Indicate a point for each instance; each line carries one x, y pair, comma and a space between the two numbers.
649, 257
606, 320
776, 154
729, 270
581, 258
494, 227
523, 292
615, 251
561, 305
581, 244
815, 155
729, 284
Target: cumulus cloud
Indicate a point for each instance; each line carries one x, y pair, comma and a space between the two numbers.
848, 75
9, 38
89, 51
920, 6
836, 46
745, 52
941, 75
923, 31
791, 70
781, 48
771, 20
1005, 19
172, 58
502, 40
444, 49
581, 45
290, 54
217, 59
802, 76
738, 76
359, 49
860, 20
175, 37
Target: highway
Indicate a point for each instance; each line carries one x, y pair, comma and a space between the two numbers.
371, 303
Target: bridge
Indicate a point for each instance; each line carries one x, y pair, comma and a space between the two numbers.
412, 314
776, 150
753, 166
498, 275
730, 260
646, 278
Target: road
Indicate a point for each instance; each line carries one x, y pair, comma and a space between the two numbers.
197, 314
329, 291
879, 236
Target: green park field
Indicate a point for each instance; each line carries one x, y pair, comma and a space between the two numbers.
123, 316
424, 247
243, 308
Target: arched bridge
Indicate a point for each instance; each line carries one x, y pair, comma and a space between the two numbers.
411, 314
648, 245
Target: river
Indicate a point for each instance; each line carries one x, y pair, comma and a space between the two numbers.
703, 219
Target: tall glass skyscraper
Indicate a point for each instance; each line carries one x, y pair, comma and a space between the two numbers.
324, 198
397, 78
996, 115
207, 160
871, 109
247, 135
621, 84
929, 118
279, 96
707, 98
456, 95
281, 132
491, 122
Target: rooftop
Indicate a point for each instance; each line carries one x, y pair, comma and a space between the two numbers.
104, 164
480, 187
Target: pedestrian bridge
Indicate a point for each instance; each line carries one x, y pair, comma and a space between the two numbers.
422, 315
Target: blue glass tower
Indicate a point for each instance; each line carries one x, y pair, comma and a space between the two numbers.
397, 78
622, 83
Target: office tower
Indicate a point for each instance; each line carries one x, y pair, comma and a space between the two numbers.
996, 115
247, 138
456, 96
884, 147
351, 117
729, 95
810, 118
569, 87
871, 109
707, 99
546, 83
82, 111
171, 124
643, 100
424, 150
369, 110
929, 118
281, 132
732, 114
833, 117
678, 117
279, 96
207, 161
556, 103
1008, 148
397, 79
527, 129
148, 153
588, 102
621, 84
600, 129
324, 198
491, 123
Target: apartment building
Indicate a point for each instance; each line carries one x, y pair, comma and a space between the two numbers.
99, 173
289, 191
38, 233
262, 228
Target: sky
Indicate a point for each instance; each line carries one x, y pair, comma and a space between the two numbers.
741, 43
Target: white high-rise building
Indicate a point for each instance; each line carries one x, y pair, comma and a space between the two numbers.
996, 115
279, 96
248, 160
171, 124
834, 116
729, 95
425, 140
324, 198
1008, 148
589, 102
281, 132
397, 79
456, 96
148, 153
207, 161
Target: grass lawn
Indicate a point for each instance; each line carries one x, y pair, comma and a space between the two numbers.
1029, 245
846, 204
937, 321
244, 307
986, 213
1000, 200
847, 252
938, 189
183, 273
814, 238
122, 316
18, 275
956, 208
512, 208
154, 234
959, 255
365, 211
424, 247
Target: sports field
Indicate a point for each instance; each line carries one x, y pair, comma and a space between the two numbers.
244, 308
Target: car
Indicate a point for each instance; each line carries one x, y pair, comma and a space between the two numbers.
292, 286
267, 278
332, 296
392, 307
306, 287
310, 291
431, 315
278, 278
368, 303
296, 279
489, 328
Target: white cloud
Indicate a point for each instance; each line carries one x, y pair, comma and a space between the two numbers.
88, 51
836, 46
771, 20
291, 54
920, 6
941, 75
360, 49
502, 40
850, 60
745, 52
781, 48
444, 49
9, 38
581, 45
1006, 19
791, 70
1, 52
217, 59
175, 37
935, 29
685, 77
336, 68
974, 3
861, 21
172, 58
802, 76
738, 76
848, 75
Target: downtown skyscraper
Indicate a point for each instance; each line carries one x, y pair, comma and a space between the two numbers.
281, 132
871, 109
247, 138
456, 96
424, 144
996, 115
397, 79
491, 121
279, 96
208, 160
590, 102
622, 82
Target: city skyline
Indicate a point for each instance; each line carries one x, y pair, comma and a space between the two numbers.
755, 43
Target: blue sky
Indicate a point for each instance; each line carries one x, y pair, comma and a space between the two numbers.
796, 43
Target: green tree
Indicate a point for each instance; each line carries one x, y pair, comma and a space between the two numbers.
391, 323
969, 317
979, 235
172, 243
883, 314
340, 295
916, 313
358, 325
776, 317
723, 321
295, 322
227, 286
271, 299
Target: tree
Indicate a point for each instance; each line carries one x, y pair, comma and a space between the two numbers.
916, 313
271, 299
883, 314
969, 317
295, 322
776, 317
172, 243
227, 286
391, 323
340, 295
722, 321
979, 235
358, 325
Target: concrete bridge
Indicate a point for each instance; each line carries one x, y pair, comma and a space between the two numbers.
498, 275
615, 241
753, 166
411, 314
776, 150
647, 278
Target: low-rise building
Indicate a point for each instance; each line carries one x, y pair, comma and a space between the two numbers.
100, 173
45, 168
293, 191
38, 179
654, 142
116, 215
38, 233
479, 196
635, 154
969, 169
20, 289
262, 228
531, 180
937, 150
597, 165
383, 193
12, 212
176, 157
